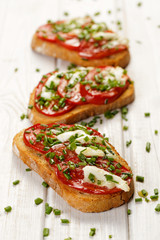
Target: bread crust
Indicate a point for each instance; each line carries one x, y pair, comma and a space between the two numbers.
82, 201
54, 50
80, 112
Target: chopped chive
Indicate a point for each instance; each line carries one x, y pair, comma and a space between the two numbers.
148, 147
38, 201
57, 212
109, 12
59, 167
146, 199
138, 199
65, 221
147, 114
37, 70
91, 177
125, 128
154, 197
28, 169
129, 211
157, 208
69, 238
23, 116
110, 236
83, 99
156, 191
48, 209
139, 4
110, 114
128, 143
16, 182
66, 13
139, 179
118, 165
30, 106
44, 184
156, 132
97, 14
144, 192
8, 209
16, 69
31, 141
92, 232
45, 232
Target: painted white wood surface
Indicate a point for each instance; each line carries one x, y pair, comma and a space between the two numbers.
18, 21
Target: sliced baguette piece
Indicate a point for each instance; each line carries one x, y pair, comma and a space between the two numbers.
54, 50
80, 112
82, 201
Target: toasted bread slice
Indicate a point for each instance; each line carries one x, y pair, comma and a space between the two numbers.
54, 50
82, 201
80, 112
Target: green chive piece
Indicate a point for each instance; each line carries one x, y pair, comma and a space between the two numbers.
45, 232
146, 199
16, 69
69, 238
147, 114
92, 232
37, 70
157, 208
154, 197
38, 201
139, 179
57, 212
23, 116
156, 132
144, 193
48, 209
97, 13
125, 128
128, 143
91, 177
30, 106
110, 236
156, 191
66, 13
16, 182
129, 211
110, 114
28, 169
138, 199
148, 147
139, 4
8, 209
44, 184
65, 220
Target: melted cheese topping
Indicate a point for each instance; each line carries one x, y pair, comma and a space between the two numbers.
99, 174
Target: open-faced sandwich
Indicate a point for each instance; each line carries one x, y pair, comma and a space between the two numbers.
73, 95
78, 163
82, 41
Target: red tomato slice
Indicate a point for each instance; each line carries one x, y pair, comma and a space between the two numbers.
101, 97
29, 137
88, 50
45, 32
49, 109
74, 95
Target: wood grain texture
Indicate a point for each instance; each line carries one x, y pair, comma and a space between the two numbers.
18, 21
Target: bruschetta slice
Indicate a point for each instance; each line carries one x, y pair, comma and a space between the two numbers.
72, 95
78, 163
82, 41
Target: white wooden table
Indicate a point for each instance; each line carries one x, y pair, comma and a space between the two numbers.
18, 21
